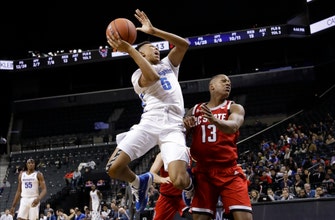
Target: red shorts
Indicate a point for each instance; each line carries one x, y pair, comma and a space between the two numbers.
167, 207
229, 183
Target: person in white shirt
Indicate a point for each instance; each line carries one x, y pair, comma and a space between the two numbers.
105, 212
6, 215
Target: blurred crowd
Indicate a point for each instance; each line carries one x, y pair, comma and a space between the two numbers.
300, 164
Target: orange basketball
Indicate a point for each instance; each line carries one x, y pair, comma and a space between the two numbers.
124, 27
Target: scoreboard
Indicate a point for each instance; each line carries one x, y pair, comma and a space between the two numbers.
262, 33
196, 42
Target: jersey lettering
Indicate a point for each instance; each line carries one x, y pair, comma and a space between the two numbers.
165, 83
201, 119
28, 185
208, 133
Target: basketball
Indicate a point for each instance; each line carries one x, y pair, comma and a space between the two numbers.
124, 27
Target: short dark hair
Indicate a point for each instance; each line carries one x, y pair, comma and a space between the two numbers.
141, 44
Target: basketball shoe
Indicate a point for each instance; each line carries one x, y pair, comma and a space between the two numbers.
141, 194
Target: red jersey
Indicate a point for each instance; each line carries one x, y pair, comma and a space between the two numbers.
169, 201
210, 146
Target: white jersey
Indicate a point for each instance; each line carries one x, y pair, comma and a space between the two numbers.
30, 185
166, 93
162, 119
95, 200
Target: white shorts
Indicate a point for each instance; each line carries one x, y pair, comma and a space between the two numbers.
26, 211
156, 128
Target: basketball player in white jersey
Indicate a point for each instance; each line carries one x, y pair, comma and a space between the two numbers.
156, 83
30, 190
95, 199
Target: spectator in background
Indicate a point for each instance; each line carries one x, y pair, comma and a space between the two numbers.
79, 214
318, 176
88, 213
286, 194
273, 160
289, 171
320, 192
260, 159
51, 215
309, 191
281, 141
285, 150
306, 175
254, 196
307, 162
302, 194
298, 182
104, 215
255, 184
330, 172
42, 217
6, 215
287, 155
47, 208
275, 183
292, 165
330, 140
114, 213
266, 181
72, 214
76, 179
285, 182
123, 215
302, 149
61, 215
153, 195
280, 173
68, 177
271, 195
328, 184
296, 191
299, 171
312, 148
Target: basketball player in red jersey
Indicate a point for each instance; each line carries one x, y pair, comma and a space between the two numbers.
214, 127
170, 198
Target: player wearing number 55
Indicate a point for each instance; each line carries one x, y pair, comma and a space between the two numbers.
30, 190
156, 83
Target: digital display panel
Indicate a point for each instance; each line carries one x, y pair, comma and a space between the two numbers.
238, 36
209, 40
